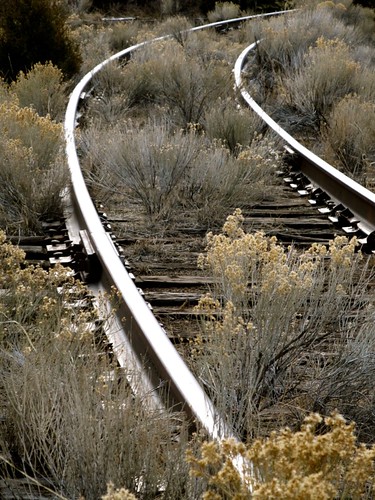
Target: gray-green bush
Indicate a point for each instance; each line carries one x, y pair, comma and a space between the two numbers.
73, 419
222, 11
187, 90
350, 132
42, 88
235, 127
169, 170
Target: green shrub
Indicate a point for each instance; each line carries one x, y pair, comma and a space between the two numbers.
34, 31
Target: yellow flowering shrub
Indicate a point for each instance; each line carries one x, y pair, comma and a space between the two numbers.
43, 89
33, 131
267, 314
32, 172
35, 301
328, 4
118, 494
245, 264
321, 461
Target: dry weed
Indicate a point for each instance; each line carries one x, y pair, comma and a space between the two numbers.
123, 35
168, 171
350, 133
222, 11
322, 460
68, 414
43, 89
236, 128
327, 74
269, 311
32, 170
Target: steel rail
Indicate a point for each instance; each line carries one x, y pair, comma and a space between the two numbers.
337, 185
138, 339
136, 328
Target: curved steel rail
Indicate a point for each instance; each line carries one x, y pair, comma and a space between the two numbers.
136, 327
136, 323
337, 185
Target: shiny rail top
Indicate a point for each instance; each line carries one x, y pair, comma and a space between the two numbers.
340, 187
139, 323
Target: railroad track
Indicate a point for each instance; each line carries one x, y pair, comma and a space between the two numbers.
165, 266
135, 334
157, 296
350, 206
330, 190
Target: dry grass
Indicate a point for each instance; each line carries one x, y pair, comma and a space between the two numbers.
236, 128
285, 39
182, 76
169, 171
326, 75
220, 181
113, 96
177, 27
123, 35
93, 39
32, 169
222, 11
186, 157
306, 69
72, 419
68, 414
349, 134
43, 89
187, 90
